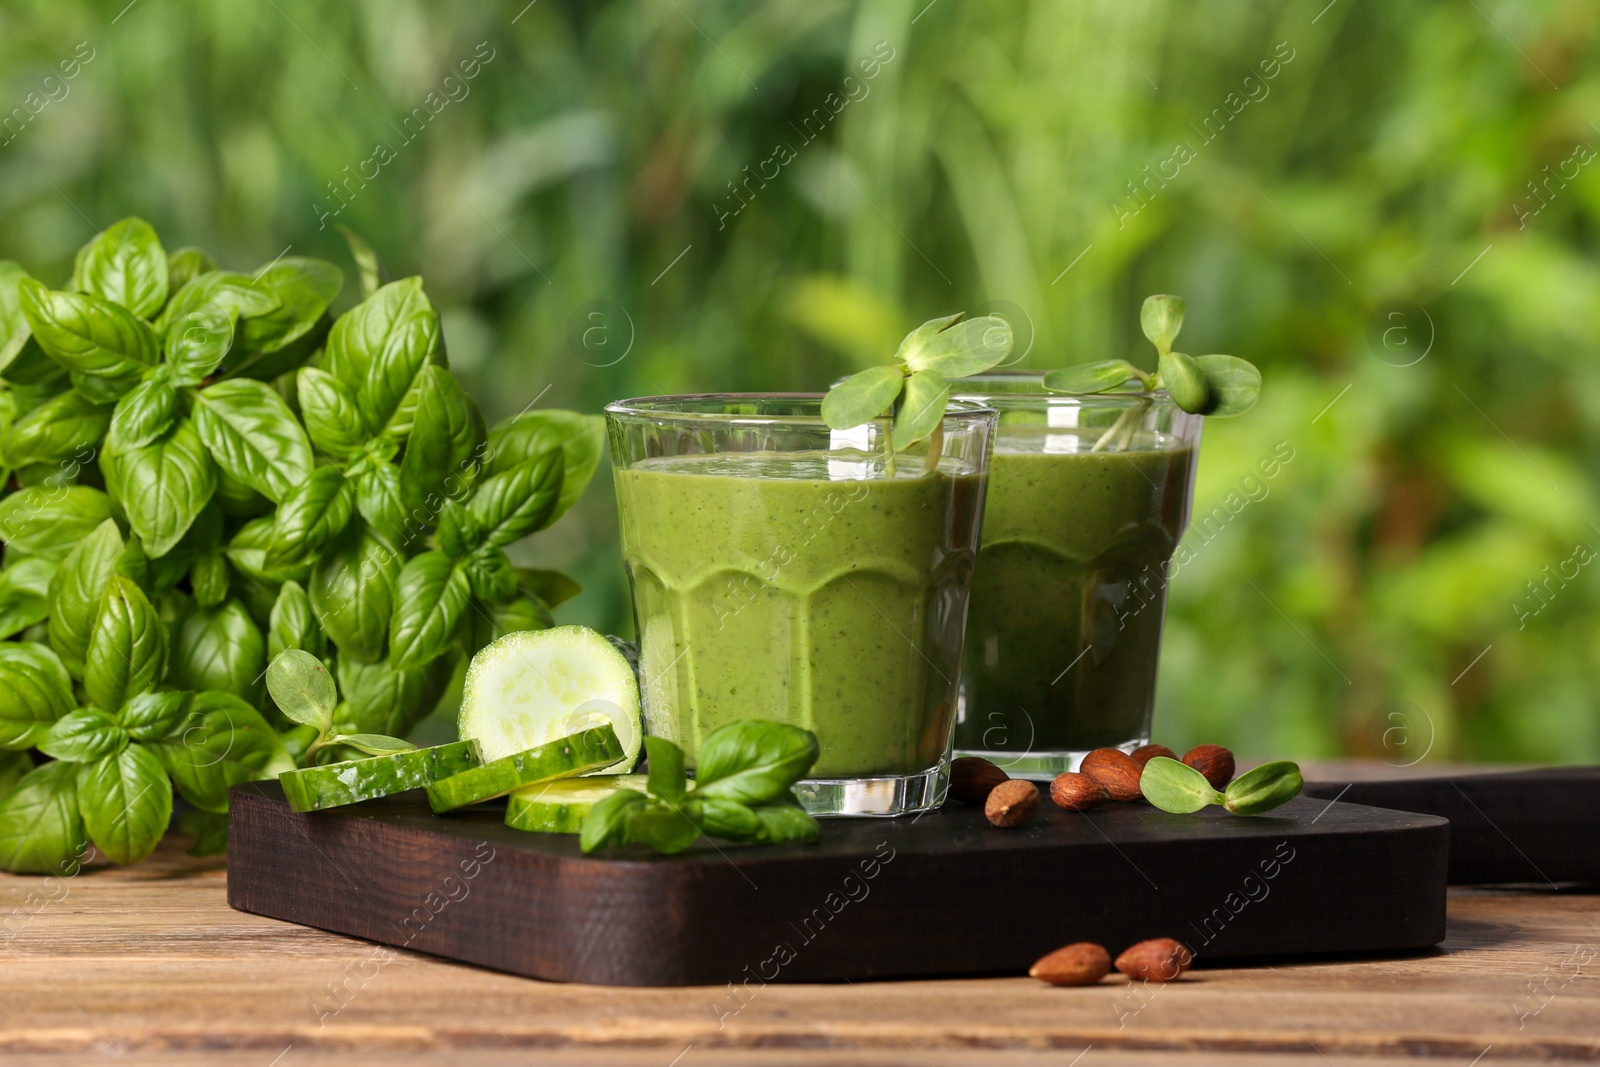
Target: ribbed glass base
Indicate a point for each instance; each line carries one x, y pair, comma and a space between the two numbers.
1044, 766
887, 796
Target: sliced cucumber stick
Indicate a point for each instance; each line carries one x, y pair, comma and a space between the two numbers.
532, 687
586, 750
560, 806
337, 784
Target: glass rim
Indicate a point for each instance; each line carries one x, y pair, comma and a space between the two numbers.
1015, 397
679, 407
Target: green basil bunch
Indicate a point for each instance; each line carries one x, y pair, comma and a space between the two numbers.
204, 468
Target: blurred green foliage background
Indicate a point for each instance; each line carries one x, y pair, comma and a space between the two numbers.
1390, 208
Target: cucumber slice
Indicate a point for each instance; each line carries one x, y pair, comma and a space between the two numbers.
352, 781
560, 806
583, 751
534, 686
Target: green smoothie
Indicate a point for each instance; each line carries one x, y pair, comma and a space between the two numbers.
1064, 630
806, 587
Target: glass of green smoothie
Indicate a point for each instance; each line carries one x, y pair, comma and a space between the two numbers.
782, 570
1088, 497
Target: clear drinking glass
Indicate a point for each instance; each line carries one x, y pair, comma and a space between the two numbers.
783, 570
1088, 497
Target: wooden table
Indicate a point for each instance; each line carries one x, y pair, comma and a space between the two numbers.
150, 965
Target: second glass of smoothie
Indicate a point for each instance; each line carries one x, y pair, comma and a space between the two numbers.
1088, 498
782, 570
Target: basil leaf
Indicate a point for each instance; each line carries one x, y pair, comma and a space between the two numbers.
727, 819
1161, 317
125, 263
35, 692
862, 397
373, 744
367, 264
163, 486
1176, 787
430, 599
1091, 377
90, 337
490, 621
186, 264
226, 291
219, 649
84, 736
33, 369
380, 346
142, 416
304, 288
253, 436
312, 514
922, 409
1184, 381
208, 569
491, 576
128, 648
753, 760
248, 553
153, 716
24, 599
14, 329
209, 830
13, 766
65, 426
661, 825
962, 348
1235, 385
293, 625
378, 501
606, 825
302, 688
445, 447
223, 742
552, 587
48, 520
353, 593
581, 438
460, 533
126, 802
41, 831
165, 572
667, 779
76, 590
332, 418
239, 500
785, 821
520, 501
380, 699
922, 335
198, 341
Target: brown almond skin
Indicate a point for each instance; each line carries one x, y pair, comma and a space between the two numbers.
1077, 792
972, 778
1114, 769
1158, 960
1145, 753
1212, 761
1081, 963
1012, 803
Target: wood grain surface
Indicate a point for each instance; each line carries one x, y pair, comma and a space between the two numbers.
1307, 878
149, 965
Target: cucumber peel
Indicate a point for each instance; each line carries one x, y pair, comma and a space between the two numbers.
352, 781
559, 806
532, 687
586, 750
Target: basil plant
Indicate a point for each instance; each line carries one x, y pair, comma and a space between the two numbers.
203, 468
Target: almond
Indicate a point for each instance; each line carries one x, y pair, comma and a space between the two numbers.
972, 777
1077, 792
1114, 769
1145, 753
1213, 761
1081, 963
1159, 960
1012, 803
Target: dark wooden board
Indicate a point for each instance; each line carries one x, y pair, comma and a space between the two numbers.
1522, 826
943, 894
